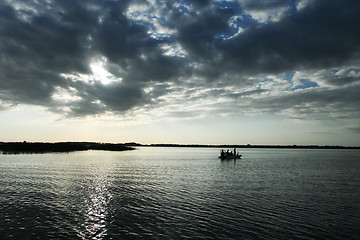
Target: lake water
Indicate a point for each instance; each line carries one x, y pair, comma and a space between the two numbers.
181, 193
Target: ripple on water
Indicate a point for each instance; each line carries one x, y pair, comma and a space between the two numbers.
146, 195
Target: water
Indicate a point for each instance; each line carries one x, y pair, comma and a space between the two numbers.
181, 193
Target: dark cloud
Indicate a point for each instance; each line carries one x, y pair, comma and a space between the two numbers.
35, 49
197, 33
118, 39
264, 4
187, 52
318, 37
42, 42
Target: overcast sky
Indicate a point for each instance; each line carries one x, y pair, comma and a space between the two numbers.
156, 71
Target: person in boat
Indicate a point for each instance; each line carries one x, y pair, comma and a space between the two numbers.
222, 153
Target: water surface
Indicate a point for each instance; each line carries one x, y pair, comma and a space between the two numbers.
181, 193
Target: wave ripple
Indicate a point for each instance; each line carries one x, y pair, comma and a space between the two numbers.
169, 193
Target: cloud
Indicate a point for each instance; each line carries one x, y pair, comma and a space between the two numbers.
182, 58
354, 129
315, 103
311, 38
266, 11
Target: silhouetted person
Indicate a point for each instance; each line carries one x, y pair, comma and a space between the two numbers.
222, 153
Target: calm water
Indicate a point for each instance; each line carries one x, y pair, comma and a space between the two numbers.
181, 193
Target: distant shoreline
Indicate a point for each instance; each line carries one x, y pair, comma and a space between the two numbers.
248, 146
40, 147
44, 147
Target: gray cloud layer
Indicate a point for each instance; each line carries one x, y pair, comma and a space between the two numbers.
172, 54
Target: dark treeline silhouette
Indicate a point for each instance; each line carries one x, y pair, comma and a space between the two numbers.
252, 146
38, 147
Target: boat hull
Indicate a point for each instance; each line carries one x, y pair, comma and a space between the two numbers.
238, 156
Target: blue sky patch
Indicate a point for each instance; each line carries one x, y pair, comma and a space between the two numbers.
305, 83
288, 76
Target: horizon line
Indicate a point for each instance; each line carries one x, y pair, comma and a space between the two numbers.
134, 144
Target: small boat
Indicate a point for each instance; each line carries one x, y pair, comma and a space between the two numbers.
229, 157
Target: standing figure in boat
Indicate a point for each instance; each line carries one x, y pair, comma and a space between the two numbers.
222, 153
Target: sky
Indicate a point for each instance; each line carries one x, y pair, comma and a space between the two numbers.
191, 72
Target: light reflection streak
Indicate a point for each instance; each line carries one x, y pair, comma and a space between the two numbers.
95, 208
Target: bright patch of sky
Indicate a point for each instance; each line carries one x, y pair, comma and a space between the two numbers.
99, 73
173, 50
237, 24
144, 14
184, 7
65, 95
303, 4
273, 15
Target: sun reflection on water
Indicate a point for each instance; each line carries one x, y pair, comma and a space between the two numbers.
95, 208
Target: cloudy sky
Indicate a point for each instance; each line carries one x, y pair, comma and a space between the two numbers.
201, 71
